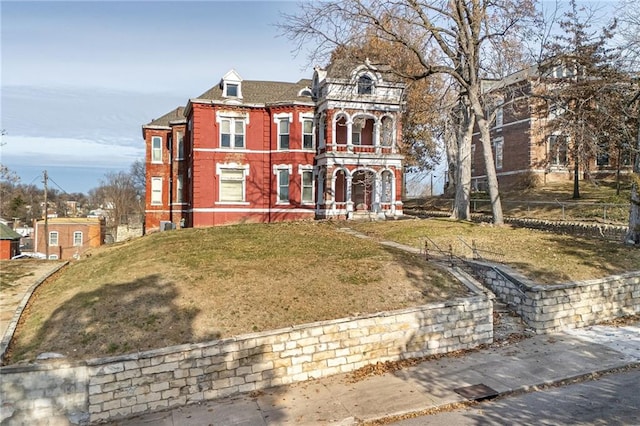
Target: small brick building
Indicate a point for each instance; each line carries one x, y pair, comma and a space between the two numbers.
68, 238
9, 242
265, 151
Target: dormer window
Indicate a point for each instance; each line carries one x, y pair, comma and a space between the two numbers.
365, 85
231, 85
232, 90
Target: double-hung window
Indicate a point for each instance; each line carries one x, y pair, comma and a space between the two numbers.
283, 133
307, 186
307, 134
53, 238
232, 132
179, 145
232, 185
179, 186
283, 178
156, 149
77, 238
498, 146
283, 186
156, 191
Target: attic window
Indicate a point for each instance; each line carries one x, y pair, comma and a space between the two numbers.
305, 92
232, 90
365, 85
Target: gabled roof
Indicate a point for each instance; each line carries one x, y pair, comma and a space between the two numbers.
7, 233
263, 92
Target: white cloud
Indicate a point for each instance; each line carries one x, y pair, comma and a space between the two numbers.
46, 151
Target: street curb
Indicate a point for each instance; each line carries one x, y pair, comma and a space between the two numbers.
8, 335
511, 392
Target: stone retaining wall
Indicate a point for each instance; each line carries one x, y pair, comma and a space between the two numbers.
117, 387
547, 308
583, 229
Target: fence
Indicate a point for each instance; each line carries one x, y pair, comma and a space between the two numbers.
554, 210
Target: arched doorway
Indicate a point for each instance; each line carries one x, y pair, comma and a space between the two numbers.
363, 189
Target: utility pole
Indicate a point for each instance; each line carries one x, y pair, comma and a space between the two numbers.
46, 214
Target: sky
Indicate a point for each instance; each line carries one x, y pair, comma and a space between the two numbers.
80, 78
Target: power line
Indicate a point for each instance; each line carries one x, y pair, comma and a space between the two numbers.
54, 182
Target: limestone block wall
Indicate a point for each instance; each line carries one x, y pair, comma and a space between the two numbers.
547, 308
45, 394
118, 387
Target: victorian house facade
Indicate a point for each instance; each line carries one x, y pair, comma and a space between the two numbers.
263, 151
525, 149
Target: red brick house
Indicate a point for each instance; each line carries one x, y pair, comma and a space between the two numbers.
264, 151
9, 242
68, 237
523, 149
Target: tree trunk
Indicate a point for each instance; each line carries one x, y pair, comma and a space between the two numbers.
576, 172
490, 166
633, 235
461, 209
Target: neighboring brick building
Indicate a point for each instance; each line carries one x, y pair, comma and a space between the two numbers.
9, 242
264, 151
522, 148
68, 238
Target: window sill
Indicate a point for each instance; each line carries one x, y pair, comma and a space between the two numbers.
232, 203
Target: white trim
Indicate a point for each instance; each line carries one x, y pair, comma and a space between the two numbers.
232, 117
81, 238
153, 138
250, 151
310, 210
156, 179
221, 114
278, 119
512, 123
277, 168
232, 166
179, 157
307, 168
57, 239
307, 116
279, 116
495, 142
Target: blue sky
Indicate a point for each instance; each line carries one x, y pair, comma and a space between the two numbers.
80, 78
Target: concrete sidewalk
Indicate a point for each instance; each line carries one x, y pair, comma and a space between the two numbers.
521, 365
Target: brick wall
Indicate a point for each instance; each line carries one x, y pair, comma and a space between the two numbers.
117, 387
548, 308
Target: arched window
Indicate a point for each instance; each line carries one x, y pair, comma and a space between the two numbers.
365, 85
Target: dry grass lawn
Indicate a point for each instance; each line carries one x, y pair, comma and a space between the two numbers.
544, 257
198, 284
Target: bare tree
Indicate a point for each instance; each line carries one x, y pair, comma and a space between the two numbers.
119, 196
584, 90
630, 21
458, 30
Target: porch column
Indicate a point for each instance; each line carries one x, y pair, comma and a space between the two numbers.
377, 125
348, 184
377, 191
350, 135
